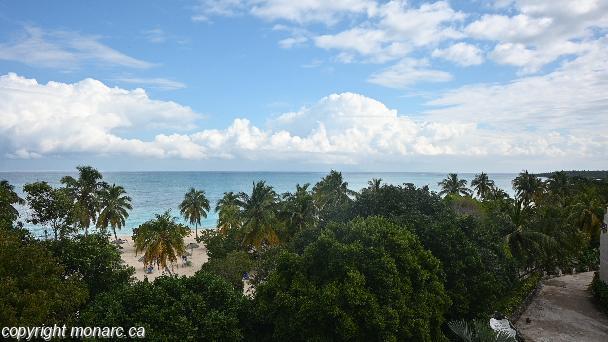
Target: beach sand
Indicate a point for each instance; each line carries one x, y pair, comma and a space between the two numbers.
198, 258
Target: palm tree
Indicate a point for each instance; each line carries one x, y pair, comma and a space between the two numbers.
483, 185
332, 191
528, 187
454, 186
374, 184
587, 213
162, 240
259, 215
8, 198
115, 206
85, 192
522, 242
229, 211
194, 206
299, 211
558, 183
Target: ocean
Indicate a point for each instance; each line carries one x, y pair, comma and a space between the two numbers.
154, 192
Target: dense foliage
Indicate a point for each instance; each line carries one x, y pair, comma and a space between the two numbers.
94, 260
600, 292
365, 280
33, 287
390, 262
203, 307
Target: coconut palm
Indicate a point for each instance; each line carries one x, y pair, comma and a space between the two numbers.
483, 185
498, 194
522, 242
85, 192
229, 211
332, 191
259, 215
299, 211
558, 183
374, 184
161, 240
528, 187
194, 207
8, 198
115, 206
587, 214
454, 186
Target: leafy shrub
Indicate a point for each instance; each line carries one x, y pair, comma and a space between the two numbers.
600, 292
516, 298
478, 331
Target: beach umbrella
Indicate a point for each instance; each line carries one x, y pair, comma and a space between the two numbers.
141, 259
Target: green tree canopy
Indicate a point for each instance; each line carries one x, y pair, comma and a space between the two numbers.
365, 280
92, 259
34, 290
50, 207
8, 200
203, 307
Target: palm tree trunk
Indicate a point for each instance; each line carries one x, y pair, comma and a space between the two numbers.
196, 230
115, 237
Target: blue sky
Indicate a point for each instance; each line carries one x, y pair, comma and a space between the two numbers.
307, 85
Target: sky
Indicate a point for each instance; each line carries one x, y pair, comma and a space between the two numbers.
308, 85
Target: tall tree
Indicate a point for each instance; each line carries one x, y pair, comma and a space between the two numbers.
483, 185
365, 280
161, 240
528, 187
452, 185
85, 192
115, 206
33, 287
558, 184
259, 215
194, 207
374, 184
8, 200
50, 206
229, 211
332, 196
298, 210
522, 241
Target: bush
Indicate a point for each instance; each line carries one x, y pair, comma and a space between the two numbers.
508, 305
600, 292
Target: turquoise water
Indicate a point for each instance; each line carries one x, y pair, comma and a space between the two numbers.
155, 192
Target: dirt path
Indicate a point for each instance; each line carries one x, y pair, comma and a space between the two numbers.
564, 311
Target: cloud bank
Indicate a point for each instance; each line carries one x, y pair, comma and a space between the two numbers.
558, 115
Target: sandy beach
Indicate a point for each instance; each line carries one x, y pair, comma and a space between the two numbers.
198, 258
